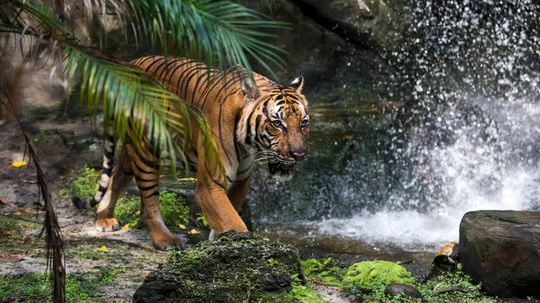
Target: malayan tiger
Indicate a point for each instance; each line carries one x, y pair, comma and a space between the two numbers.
262, 120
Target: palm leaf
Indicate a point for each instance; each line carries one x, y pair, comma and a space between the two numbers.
219, 33
10, 100
130, 99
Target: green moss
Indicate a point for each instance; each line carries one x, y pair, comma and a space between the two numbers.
323, 272
240, 267
82, 183
80, 287
303, 293
376, 274
454, 287
174, 210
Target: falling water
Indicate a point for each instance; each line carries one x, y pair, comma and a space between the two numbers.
463, 136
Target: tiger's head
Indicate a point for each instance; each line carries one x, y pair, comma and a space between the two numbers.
275, 125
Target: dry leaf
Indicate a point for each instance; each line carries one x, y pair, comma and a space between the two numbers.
182, 226
194, 232
18, 163
12, 258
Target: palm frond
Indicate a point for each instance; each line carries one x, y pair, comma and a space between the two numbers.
10, 99
129, 99
219, 33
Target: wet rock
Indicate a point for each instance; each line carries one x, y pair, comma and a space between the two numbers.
336, 45
403, 290
501, 249
234, 268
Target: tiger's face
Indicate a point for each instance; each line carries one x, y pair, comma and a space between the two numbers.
277, 124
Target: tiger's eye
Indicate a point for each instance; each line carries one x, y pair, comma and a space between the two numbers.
277, 124
304, 123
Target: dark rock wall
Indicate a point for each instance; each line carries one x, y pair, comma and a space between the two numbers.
339, 46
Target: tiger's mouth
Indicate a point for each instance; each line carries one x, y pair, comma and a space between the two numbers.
281, 169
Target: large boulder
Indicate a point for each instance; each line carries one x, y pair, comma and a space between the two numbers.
501, 249
235, 268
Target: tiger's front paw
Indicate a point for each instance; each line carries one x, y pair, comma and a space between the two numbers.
164, 241
107, 224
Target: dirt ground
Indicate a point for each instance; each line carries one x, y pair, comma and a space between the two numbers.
62, 147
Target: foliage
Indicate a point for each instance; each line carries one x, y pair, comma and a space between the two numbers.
80, 287
174, 210
368, 279
454, 287
376, 274
128, 210
322, 272
303, 293
82, 183
241, 267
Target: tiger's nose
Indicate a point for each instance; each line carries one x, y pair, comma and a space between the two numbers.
299, 153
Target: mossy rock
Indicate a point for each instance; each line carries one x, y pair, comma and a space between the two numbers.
376, 274
237, 267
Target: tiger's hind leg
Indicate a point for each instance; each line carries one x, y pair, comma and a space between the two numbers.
121, 176
147, 179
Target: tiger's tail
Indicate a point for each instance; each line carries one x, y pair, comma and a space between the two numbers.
108, 164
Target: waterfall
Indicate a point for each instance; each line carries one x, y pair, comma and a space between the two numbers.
463, 134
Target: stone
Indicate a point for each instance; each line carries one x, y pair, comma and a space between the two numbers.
501, 249
403, 290
237, 267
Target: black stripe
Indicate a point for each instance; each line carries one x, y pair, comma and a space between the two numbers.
147, 188
168, 69
140, 179
218, 93
248, 129
144, 171
107, 171
187, 75
155, 193
244, 170
139, 62
196, 72
221, 135
152, 64
102, 189
203, 76
156, 70
265, 108
176, 67
181, 78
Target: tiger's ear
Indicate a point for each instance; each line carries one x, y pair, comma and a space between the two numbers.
298, 84
251, 93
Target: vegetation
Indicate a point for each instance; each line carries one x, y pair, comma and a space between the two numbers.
241, 267
174, 210
323, 272
81, 183
80, 287
220, 33
368, 280
375, 274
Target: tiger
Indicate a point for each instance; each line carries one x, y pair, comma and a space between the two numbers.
253, 119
